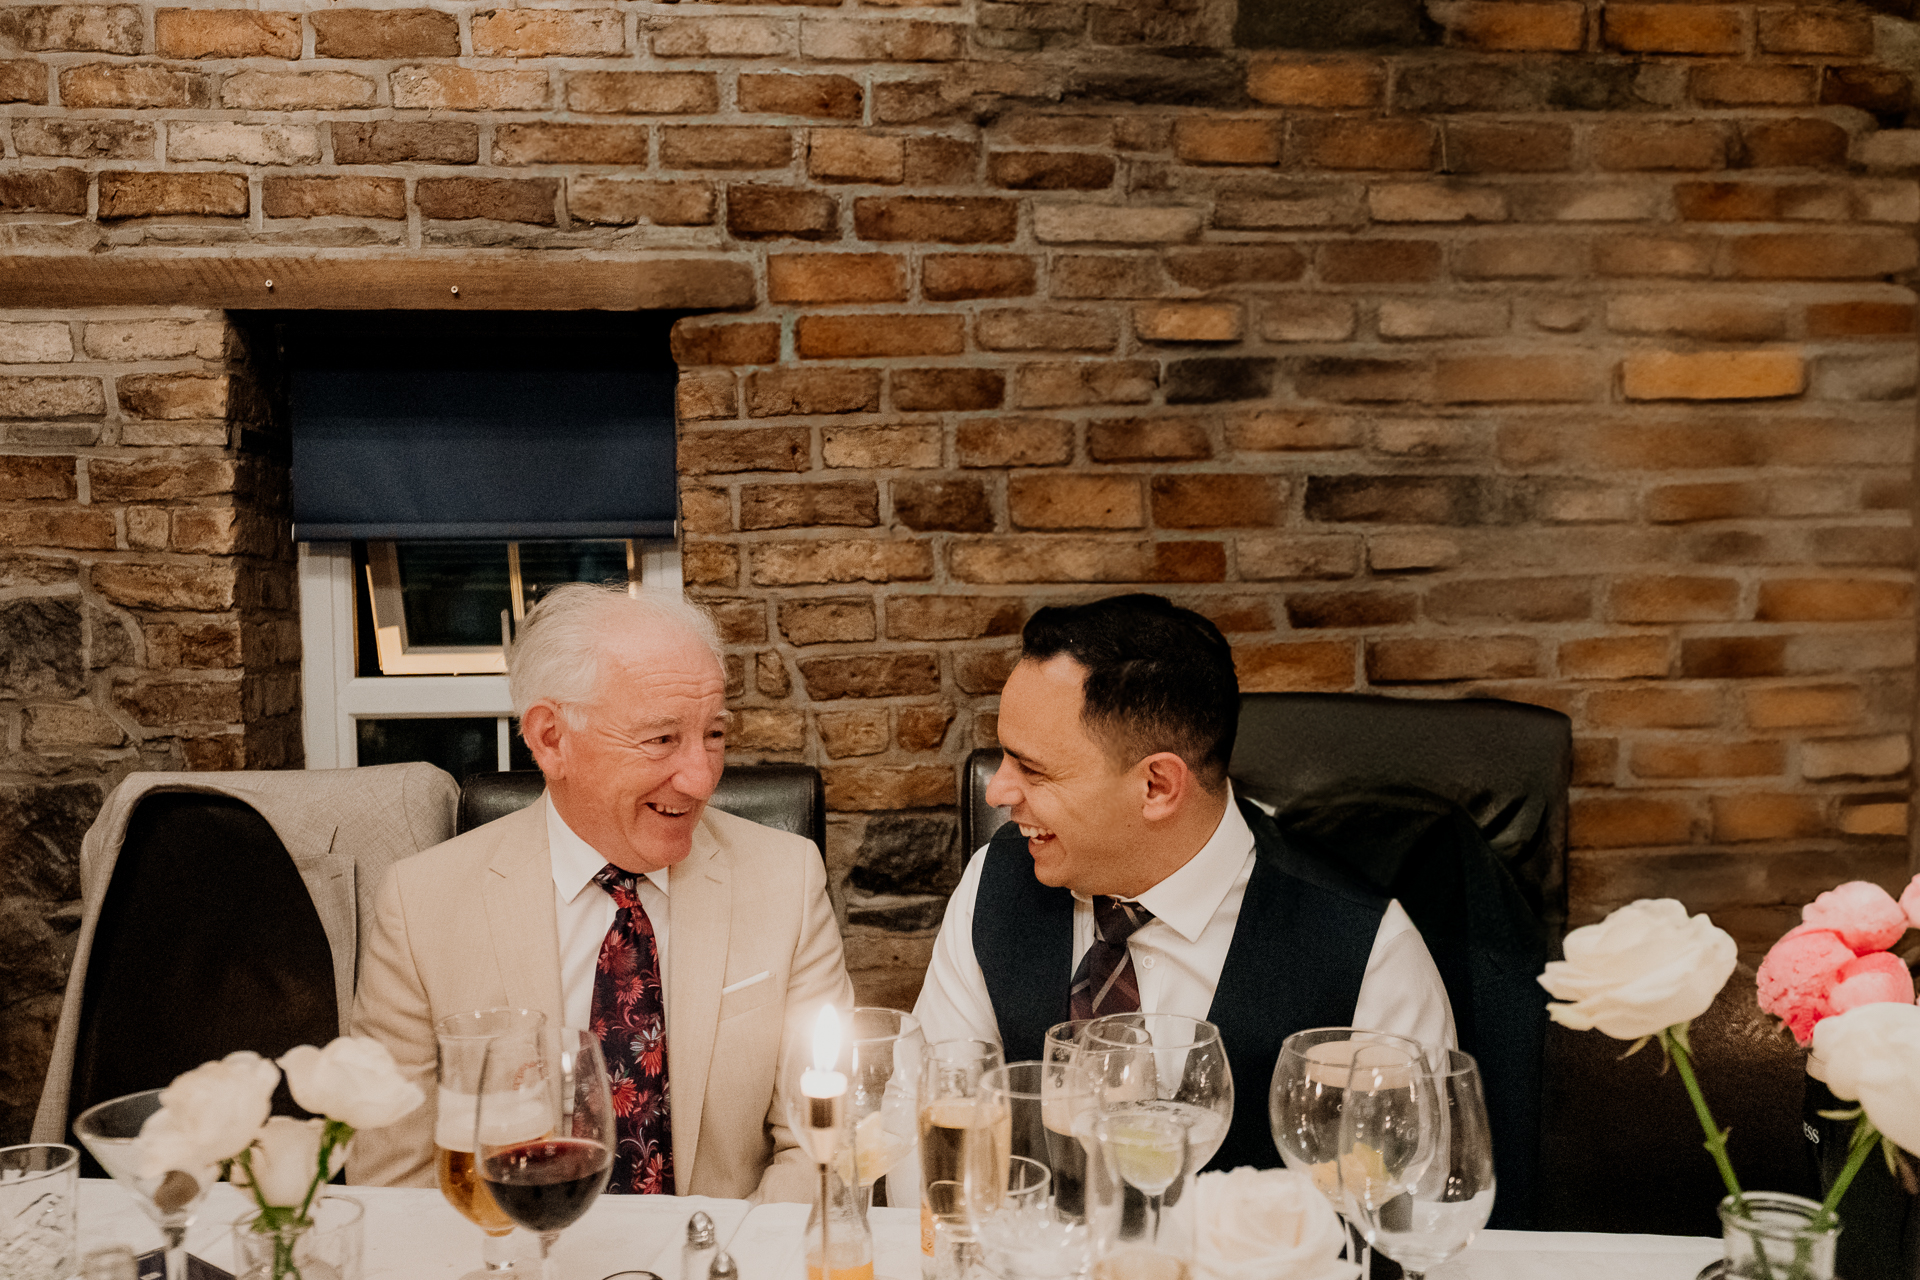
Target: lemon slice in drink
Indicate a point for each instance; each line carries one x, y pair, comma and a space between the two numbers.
1147, 1155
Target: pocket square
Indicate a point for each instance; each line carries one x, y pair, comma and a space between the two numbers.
731, 987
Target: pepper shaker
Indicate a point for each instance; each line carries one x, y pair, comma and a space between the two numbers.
723, 1268
697, 1255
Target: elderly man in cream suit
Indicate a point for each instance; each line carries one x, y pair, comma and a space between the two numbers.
621, 700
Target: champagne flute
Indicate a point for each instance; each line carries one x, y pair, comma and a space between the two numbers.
1417, 1163
544, 1131
463, 1040
1192, 1080
1309, 1087
949, 1111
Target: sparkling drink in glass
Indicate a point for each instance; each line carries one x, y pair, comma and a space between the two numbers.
949, 1111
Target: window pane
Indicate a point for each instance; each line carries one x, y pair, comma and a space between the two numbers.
453, 591
460, 746
547, 564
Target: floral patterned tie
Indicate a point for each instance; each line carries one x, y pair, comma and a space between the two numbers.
1105, 981
629, 1015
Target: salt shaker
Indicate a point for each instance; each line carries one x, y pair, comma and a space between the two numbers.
723, 1268
697, 1255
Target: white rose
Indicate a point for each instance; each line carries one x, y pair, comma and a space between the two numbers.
1643, 969
353, 1080
286, 1155
207, 1115
1872, 1054
1267, 1224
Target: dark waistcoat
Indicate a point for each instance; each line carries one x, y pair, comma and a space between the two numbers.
1298, 955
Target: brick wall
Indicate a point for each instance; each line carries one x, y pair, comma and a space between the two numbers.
1566, 357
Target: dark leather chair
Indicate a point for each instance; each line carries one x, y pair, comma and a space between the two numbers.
1458, 808
207, 942
1620, 1146
788, 797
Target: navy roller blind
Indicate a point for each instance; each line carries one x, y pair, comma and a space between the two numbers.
508, 425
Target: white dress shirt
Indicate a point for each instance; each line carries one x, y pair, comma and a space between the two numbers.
584, 912
1178, 954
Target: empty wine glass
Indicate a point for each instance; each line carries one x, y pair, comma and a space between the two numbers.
110, 1130
462, 1042
544, 1131
1417, 1167
1191, 1078
1308, 1090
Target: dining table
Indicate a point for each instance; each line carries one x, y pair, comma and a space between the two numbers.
414, 1234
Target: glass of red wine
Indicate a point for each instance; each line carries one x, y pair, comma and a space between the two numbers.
543, 1129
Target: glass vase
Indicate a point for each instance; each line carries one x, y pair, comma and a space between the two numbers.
327, 1246
1776, 1239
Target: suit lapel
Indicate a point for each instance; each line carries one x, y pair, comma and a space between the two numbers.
701, 912
524, 938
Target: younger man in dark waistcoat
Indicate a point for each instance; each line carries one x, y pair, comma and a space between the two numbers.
1132, 879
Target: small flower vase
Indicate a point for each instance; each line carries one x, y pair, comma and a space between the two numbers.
1776, 1239
1883, 1220
327, 1246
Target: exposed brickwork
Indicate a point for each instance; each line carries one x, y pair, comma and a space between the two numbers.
1568, 359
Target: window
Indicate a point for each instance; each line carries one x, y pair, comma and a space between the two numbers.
449, 468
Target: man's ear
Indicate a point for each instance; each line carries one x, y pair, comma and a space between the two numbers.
1168, 785
543, 729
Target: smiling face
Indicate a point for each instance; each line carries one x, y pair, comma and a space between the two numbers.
633, 776
1081, 810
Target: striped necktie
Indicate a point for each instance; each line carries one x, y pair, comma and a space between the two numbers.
1106, 982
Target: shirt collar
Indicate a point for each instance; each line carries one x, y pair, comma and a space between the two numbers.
1187, 899
575, 862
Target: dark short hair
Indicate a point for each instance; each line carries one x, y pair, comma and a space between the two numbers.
1159, 677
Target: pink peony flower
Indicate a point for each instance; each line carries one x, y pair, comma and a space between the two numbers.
1796, 979
1864, 915
1876, 978
1910, 902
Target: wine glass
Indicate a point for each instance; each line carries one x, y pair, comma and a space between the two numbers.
1144, 1154
1191, 1078
1417, 1163
881, 1057
110, 1130
949, 1094
1309, 1087
544, 1131
463, 1039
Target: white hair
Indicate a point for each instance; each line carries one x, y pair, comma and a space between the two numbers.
556, 656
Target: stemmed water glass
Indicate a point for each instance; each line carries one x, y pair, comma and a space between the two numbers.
110, 1130
1417, 1168
1309, 1089
544, 1131
462, 1040
1143, 1156
950, 1075
1190, 1078
881, 1057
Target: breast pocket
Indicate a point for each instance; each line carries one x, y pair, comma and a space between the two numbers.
747, 993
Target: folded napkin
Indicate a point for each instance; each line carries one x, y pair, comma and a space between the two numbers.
1267, 1224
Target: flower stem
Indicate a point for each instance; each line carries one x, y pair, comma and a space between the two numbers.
1865, 1139
1716, 1142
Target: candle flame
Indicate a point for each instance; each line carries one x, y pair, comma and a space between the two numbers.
826, 1039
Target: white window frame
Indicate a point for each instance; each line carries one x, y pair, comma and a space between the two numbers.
333, 696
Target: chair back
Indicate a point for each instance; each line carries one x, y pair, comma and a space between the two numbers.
787, 797
1474, 792
1620, 1146
207, 942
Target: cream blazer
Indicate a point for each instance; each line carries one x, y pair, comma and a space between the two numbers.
343, 828
470, 925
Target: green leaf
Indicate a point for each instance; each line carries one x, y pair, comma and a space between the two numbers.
1854, 1114
1636, 1047
1679, 1033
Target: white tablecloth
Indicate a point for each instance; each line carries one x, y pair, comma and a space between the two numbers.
415, 1235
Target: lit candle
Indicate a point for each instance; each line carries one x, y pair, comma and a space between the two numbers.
824, 1088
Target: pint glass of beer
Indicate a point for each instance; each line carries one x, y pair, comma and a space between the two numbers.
463, 1041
